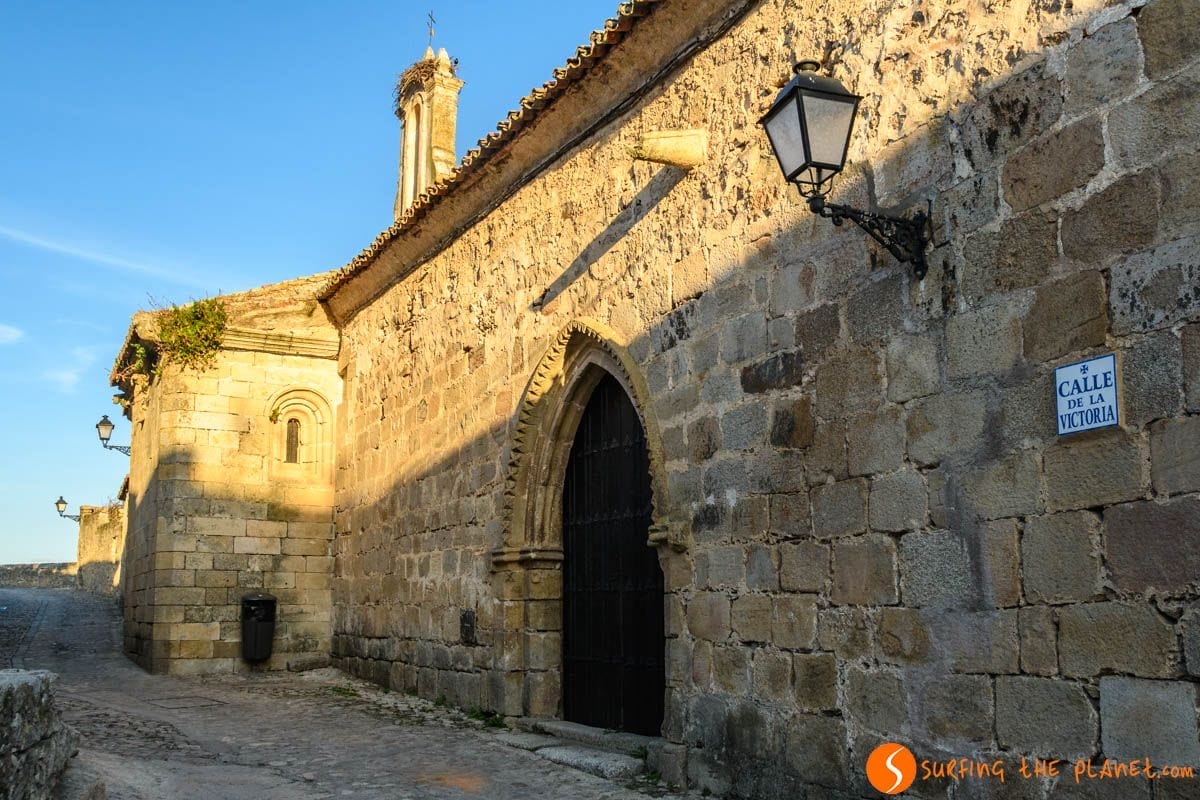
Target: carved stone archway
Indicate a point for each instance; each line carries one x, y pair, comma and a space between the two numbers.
527, 567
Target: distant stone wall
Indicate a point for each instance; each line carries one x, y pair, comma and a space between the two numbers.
101, 543
875, 532
35, 745
38, 576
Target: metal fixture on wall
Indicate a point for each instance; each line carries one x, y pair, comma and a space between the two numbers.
104, 429
809, 127
61, 505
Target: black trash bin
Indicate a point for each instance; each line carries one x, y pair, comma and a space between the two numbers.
258, 626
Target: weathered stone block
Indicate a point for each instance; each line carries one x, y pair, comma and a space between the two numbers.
1153, 545
1056, 164
1103, 67
1191, 366
1019, 110
1068, 314
957, 709
1150, 374
944, 424
704, 439
1158, 122
790, 515
1007, 488
982, 342
1000, 542
1175, 455
1082, 473
816, 750
875, 441
1020, 254
708, 616
744, 337
844, 631
719, 567
827, 456
912, 367
851, 380
794, 622
1155, 288
751, 618
779, 371
1045, 717
1169, 30
817, 330
898, 501
1149, 719
744, 427
839, 509
1039, 641
762, 571
793, 424
875, 699
1189, 628
731, 669
876, 310
864, 571
803, 566
1180, 180
1062, 558
1095, 638
772, 672
979, 642
815, 677
935, 571
903, 636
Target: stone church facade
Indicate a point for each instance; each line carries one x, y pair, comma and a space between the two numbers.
863, 524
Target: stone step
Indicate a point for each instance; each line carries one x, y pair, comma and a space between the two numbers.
615, 755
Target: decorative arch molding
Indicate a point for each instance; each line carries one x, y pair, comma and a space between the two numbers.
315, 417
584, 351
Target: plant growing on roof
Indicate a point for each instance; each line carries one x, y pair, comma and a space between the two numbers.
190, 335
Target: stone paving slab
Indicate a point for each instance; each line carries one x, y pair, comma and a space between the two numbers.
614, 766
314, 735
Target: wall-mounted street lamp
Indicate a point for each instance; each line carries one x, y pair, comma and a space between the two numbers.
809, 128
104, 429
61, 505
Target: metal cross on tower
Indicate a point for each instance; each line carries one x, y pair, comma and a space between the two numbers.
432, 22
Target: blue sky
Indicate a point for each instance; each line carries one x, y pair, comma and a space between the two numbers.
158, 152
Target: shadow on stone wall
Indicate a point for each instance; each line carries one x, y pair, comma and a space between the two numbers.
885, 538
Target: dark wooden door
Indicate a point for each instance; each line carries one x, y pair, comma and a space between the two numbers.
613, 674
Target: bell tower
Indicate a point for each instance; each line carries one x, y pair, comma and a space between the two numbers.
427, 105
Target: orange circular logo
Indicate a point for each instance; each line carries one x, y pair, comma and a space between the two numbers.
891, 768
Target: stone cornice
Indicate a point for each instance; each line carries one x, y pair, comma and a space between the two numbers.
286, 344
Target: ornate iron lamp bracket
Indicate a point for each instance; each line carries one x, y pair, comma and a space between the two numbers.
120, 448
906, 239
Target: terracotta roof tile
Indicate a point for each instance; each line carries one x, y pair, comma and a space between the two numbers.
586, 56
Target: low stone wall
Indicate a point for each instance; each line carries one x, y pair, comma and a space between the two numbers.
38, 576
35, 745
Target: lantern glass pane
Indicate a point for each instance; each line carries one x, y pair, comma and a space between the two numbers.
828, 128
104, 428
787, 139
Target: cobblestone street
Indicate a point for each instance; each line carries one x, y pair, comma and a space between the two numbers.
270, 736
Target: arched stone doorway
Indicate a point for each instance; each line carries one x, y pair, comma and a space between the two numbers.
613, 667
528, 570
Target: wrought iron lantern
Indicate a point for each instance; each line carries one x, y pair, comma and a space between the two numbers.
104, 429
809, 127
61, 505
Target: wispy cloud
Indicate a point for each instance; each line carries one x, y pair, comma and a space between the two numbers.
87, 254
65, 375
9, 334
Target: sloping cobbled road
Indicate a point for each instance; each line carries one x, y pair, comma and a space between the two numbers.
266, 736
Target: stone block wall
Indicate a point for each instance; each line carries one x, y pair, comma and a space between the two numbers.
101, 545
35, 745
217, 511
879, 535
37, 576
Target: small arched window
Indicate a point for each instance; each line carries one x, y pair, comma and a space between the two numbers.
293, 442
